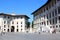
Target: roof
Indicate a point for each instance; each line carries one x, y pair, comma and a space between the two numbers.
14, 15
42, 6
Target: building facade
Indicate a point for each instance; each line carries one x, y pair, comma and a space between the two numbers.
47, 17
13, 23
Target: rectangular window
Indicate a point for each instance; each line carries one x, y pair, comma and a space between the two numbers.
55, 1
44, 16
50, 26
21, 29
58, 10
42, 23
50, 21
21, 25
17, 17
58, 0
4, 29
47, 22
53, 21
8, 17
17, 22
53, 26
49, 15
4, 22
49, 6
17, 30
59, 26
17, 26
4, 26
21, 17
56, 26
59, 19
0, 27
8, 26
21, 22
4, 16
46, 8
55, 12
12, 22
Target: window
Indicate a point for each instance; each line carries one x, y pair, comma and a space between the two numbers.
58, 0
53, 26
21, 22
55, 12
8, 26
17, 26
17, 17
21, 25
17, 22
59, 26
53, 21
55, 1
8, 17
4, 16
52, 3
44, 23
17, 30
49, 6
50, 21
4, 29
58, 10
4, 26
50, 26
56, 26
59, 19
46, 8
50, 15
4, 22
44, 16
12, 22
21, 17
47, 16
0, 27
47, 22
21, 29
8, 30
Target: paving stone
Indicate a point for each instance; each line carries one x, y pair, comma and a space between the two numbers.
29, 36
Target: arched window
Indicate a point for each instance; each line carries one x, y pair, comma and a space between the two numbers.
8, 30
17, 30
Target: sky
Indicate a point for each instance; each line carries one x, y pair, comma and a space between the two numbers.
21, 7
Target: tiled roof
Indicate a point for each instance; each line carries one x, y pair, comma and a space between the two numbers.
14, 15
42, 6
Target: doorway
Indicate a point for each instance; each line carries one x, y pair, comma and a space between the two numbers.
12, 28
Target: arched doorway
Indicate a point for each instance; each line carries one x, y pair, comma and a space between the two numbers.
7, 30
12, 28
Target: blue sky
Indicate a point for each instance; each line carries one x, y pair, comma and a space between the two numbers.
25, 7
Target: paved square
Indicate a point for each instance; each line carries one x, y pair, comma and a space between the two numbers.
27, 36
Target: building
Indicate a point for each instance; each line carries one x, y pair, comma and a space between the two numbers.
13, 23
47, 17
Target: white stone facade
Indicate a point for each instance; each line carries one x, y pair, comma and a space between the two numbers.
47, 17
13, 23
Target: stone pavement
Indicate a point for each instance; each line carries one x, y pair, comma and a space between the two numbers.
29, 36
